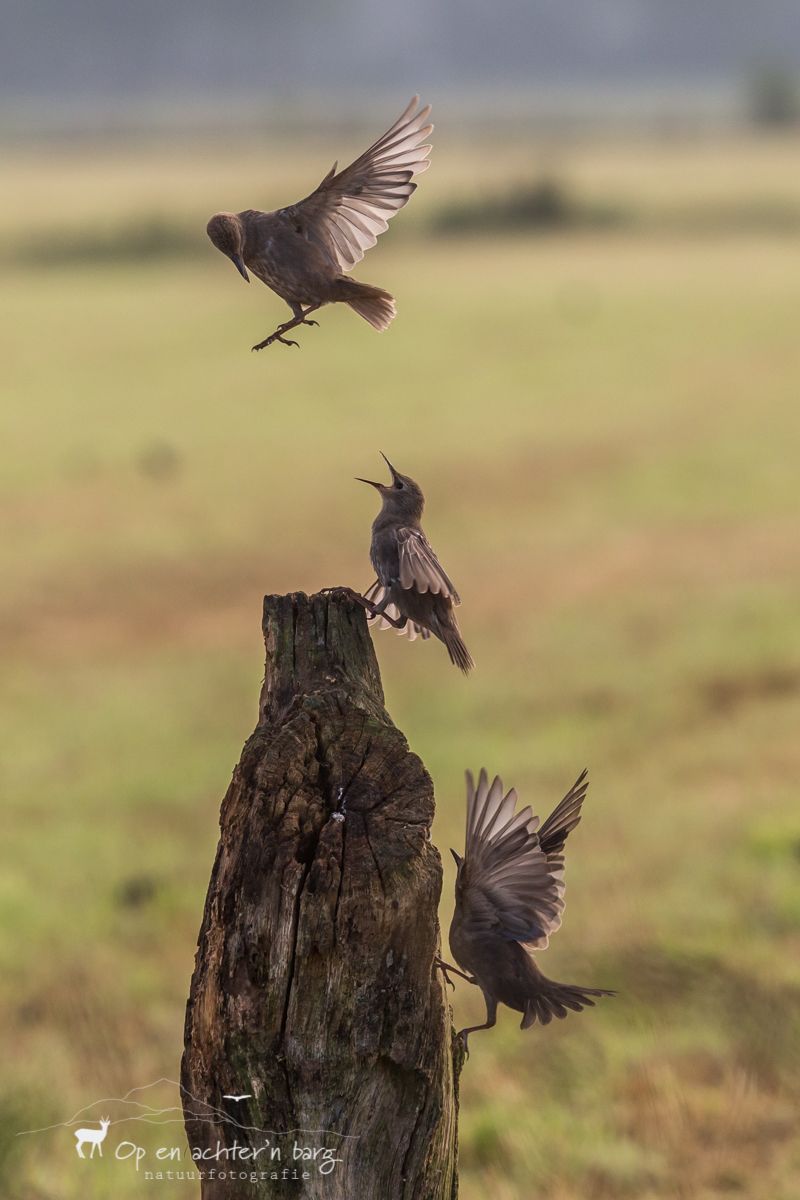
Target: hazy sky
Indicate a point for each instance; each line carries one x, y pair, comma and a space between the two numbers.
132, 49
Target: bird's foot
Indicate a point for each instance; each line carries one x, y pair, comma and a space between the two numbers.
340, 590
277, 336
284, 327
462, 1039
350, 593
443, 967
307, 322
447, 969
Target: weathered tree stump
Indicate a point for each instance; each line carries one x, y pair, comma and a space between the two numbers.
314, 989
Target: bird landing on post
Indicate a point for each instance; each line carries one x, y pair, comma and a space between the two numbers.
509, 901
303, 252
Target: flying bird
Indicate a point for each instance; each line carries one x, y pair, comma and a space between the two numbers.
303, 252
509, 900
412, 593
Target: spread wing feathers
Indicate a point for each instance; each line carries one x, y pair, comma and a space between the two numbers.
511, 888
420, 569
410, 630
347, 212
564, 817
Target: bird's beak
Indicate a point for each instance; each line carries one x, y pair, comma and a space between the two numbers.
457, 857
395, 475
237, 261
371, 482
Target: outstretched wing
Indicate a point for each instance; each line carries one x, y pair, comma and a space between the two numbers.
510, 887
564, 817
419, 568
347, 212
410, 630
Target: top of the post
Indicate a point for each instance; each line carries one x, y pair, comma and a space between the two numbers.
316, 644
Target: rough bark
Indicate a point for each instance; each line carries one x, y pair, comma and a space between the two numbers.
314, 988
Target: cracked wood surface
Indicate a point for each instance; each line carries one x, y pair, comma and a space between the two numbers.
314, 988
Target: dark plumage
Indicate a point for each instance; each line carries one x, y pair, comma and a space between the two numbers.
509, 900
412, 592
304, 251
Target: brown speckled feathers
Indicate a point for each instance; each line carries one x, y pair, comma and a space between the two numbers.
304, 251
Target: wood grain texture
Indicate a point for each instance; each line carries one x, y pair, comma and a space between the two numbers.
314, 988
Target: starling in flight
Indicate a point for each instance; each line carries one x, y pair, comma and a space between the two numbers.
303, 252
509, 900
412, 592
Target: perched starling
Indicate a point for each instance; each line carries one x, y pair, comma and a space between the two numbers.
412, 592
304, 251
509, 900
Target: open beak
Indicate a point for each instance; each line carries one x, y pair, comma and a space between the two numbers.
391, 468
236, 259
380, 486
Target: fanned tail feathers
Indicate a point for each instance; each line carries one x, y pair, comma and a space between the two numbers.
556, 999
372, 303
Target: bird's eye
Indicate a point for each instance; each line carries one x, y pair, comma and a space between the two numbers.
399, 485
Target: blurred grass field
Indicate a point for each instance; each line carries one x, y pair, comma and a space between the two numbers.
606, 428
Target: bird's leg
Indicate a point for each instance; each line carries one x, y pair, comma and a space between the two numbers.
379, 610
490, 1022
395, 622
277, 336
300, 315
352, 594
446, 968
374, 610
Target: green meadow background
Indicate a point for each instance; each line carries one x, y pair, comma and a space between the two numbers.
601, 403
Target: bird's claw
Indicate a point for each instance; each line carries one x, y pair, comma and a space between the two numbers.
462, 1039
275, 337
307, 322
346, 593
446, 968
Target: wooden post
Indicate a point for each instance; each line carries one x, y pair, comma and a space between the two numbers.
314, 991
